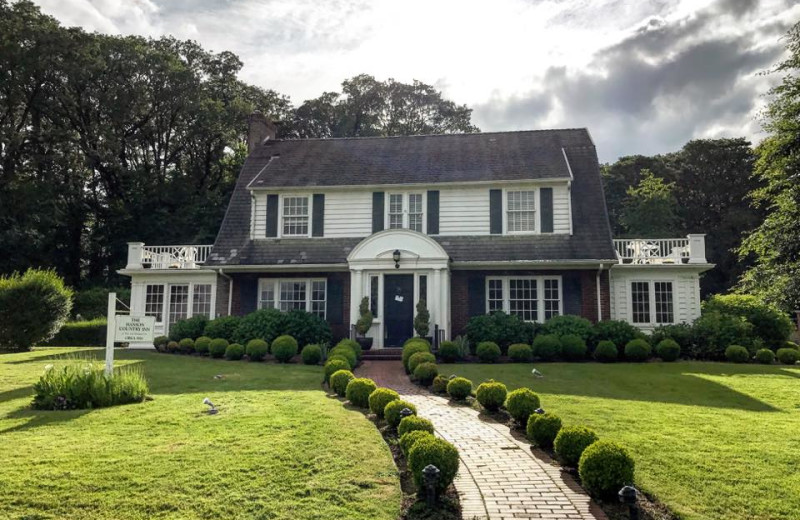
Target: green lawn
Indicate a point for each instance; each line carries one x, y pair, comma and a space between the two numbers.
711, 440
279, 447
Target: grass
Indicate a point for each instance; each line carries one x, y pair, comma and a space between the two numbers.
279, 448
710, 440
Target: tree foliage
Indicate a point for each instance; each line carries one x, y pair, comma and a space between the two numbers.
651, 207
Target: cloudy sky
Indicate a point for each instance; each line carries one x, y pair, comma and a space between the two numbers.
644, 76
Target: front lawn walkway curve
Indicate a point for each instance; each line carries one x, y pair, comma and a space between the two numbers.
499, 477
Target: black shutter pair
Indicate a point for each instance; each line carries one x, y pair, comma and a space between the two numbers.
378, 207
496, 210
317, 215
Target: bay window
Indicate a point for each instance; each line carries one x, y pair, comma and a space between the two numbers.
531, 298
307, 294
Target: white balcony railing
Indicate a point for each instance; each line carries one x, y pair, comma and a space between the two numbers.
649, 251
141, 256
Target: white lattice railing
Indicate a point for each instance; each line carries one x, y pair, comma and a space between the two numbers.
691, 249
141, 256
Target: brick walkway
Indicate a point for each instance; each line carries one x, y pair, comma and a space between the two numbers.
499, 477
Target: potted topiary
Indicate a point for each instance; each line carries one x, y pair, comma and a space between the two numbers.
422, 321
363, 324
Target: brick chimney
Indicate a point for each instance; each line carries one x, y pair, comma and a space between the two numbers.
259, 129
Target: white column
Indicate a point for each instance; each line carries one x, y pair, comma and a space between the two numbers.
697, 249
436, 291
135, 255
446, 304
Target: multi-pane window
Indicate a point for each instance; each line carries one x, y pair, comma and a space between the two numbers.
405, 211
318, 298
374, 288
495, 295
533, 298
522, 299
521, 215
266, 295
395, 211
285, 295
663, 296
295, 216
154, 302
201, 299
552, 298
415, 212
640, 302
292, 296
178, 302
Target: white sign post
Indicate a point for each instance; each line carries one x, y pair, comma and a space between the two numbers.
124, 328
111, 328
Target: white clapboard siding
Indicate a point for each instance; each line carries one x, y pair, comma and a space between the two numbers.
348, 214
685, 292
464, 211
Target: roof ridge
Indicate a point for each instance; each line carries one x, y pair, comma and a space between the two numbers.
460, 134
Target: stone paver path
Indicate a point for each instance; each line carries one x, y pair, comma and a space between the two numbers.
499, 478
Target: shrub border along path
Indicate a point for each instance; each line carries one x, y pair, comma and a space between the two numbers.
499, 477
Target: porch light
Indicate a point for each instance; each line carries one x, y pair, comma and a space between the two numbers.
396, 258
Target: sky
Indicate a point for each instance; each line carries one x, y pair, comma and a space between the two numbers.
644, 76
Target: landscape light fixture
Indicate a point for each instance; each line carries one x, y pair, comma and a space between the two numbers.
430, 475
212, 409
627, 496
396, 258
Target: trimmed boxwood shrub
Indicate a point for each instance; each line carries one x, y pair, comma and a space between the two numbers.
392, 411
358, 391
417, 339
345, 352
340, 358
521, 403
737, 354
379, 398
201, 345
668, 350
569, 325
542, 429
256, 349
617, 331
413, 423
222, 327
234, 352
713, 332
425, 373
459, 388
501, 328
339, 381
352, 345
334, 365
160, 343
412, 348
488, 351
268, 324
408, 440
192, 328
84, 334
606, 352
186, 345
520, 352
449, 352
173, 347
573, 347
637, 350
680, 333
284, 348
491, 394
604, 467
311, 354
440, 453
788, 356
440, 384
546, 346
419, 358
765, 356
570, 443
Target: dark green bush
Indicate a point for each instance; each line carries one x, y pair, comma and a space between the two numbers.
186, 345
419, 358
449, 352
234, 352
488, 351
425, 373
546, 346
434, 451
379, 398
222, 327
668, 350
788, 356
256, 349
191, 328
459, 388
542, 429
521, 403
765, 356
769, 323
392, 411
606, 352
520, 352
408, 440
172, 347
217, 347
339, 381
160, 343
81, 334
334, 365
604, 468
92, 303
346, 353
573, 347
637, 350
33, 307
414, 423
340, 358
353, 345
268, 324
737, 354
616, 331
713, 332
501, 328
284, 348
358, 391
680, 333
82, 384
311, 354
491, 395
413, 348
569, 325
440, 384
570, 443
201, 345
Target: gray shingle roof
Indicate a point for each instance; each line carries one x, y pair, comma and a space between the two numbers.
423, 159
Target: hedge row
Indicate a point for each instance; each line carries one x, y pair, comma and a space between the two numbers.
283, 349
91, 333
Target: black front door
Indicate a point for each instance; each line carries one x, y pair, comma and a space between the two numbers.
398, 308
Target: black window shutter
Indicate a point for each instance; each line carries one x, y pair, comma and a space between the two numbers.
573, 295
272, 215
433, 212
377, 211
248, 294
334, 311
496, 212
546, 202
318, 216
476, 294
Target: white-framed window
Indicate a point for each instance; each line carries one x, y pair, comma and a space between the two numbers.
532, 298
201, 299
415, 211
285, 294
295, 216
374, 294
395, 210
664, 307
652, 302
521, 211
405, 211
154, 301
178, 302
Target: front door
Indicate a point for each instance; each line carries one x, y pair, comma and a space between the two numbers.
398, 308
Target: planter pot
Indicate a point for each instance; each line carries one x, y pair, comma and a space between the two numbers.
366, 343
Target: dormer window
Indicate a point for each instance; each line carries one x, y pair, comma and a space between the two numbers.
521, 211
295, 216
405, 211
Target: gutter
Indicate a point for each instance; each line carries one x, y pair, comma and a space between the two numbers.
599, 301
230, 289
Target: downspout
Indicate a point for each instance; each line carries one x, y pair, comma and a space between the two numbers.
599, 302
230, 289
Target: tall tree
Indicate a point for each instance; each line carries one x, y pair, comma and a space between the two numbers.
651, 208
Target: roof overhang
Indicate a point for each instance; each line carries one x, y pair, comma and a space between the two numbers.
407, 186
696, 268
534, 264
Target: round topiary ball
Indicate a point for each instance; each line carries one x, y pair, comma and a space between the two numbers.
217, 347
417, 339
637, 350
408, 440
380, 398
413, 423
425, 373
491, 395
358, 391
346, 353
521, 403
392, 412
604, 468
542, 429
353, 345
284, 348
788, 356
765, 356
520, 353
570, 443
339, 381
234, 352
334, 365
488, 351
256, 349
434, 451
459, 388
201, 345
412, 348
311, 354
606, 352
668, 350
186, 345
173, 347
419, 358
440, 384
737, 354
573, 347
448, 352
546, 346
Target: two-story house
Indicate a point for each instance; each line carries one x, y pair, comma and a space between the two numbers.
472, 223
